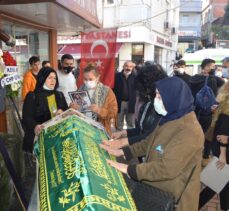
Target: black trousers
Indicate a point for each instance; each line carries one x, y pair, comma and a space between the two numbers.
207, 193
205, 122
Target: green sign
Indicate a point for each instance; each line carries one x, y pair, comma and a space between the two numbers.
73, 172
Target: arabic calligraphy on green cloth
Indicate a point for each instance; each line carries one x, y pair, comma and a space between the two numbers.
73, 172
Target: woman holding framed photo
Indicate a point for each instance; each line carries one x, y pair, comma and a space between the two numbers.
103, 101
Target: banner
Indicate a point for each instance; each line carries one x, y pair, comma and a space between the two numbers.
11, 79
74, 174
99, 48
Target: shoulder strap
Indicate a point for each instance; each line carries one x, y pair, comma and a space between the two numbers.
206, 81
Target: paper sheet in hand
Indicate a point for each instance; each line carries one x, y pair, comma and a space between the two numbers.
214, 178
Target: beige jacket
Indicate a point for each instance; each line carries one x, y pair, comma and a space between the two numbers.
181, 142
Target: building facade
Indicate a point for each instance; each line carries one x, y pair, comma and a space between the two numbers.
189, 26
147, 29
212, 10
36, 24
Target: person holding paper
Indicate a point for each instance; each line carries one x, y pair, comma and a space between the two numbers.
41, 105
104, 105
173, 151
217, 133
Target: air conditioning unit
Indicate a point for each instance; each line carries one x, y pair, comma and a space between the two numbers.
166, 24
173, 30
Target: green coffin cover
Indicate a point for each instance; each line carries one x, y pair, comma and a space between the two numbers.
73, 173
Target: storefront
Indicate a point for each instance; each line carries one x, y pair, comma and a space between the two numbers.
36, 24
140, 44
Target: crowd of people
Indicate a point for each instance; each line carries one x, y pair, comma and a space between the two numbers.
166, 129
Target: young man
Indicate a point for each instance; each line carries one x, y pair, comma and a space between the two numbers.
180, 71
29, 80
196, 83
66, 78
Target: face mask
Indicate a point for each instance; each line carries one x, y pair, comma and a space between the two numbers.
181, 70
218, 74
90, 84
212, 72
46, 87
67, 69
225, 72
159, 107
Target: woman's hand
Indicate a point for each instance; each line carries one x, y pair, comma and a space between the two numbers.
117, 143
119, 166
75, 106
221, 162
222, 139
118, 134
114, 152
38, 129
59, 111
214, 108
94, 108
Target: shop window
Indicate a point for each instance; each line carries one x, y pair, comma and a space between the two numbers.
158, 55
138, 53
29, 42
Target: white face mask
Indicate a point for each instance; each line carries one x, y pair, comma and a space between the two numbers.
46, 87
218, 74
180, 70
225, 72
90, 84
159, 107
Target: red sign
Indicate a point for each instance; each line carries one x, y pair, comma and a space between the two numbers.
99, 49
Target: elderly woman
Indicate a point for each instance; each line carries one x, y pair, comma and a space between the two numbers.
173, 151
41, 105
104, 105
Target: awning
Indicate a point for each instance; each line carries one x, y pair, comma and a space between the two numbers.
66, 16
75, 50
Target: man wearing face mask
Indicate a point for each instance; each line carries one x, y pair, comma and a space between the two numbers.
67, 80
196, 83
180, 71
125, 93
225, 68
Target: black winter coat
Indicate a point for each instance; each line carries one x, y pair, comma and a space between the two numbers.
147, 121
118, 90
35, 111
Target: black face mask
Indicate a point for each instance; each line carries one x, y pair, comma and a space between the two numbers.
212, 72
67, 69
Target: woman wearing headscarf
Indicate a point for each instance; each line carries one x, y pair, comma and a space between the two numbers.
217, 133
104, 106
41, 105
147, 117
173, 151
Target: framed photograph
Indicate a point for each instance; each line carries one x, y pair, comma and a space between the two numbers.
82, 99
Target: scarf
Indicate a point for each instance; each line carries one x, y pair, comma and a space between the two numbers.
98, 97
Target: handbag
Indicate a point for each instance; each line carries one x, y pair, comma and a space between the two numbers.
149, 198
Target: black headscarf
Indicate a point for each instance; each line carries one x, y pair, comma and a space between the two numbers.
42, 76
176, 96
